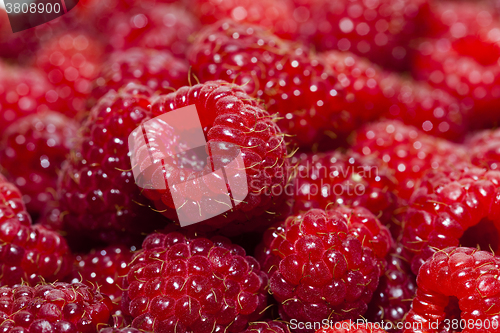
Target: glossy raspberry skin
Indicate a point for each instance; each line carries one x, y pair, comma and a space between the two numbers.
446, 209
285, 76
105, 267
270, 326
58, 307
336, 178
96, 188
348, 326
27, 253
159, 70
227, 114
24, 91
162, 27
120, 330
408, 152
276, 16
71, 62
174, 273
31, 153
484, 149
372, 93
469, 275
322, 263
377, 30
392, 299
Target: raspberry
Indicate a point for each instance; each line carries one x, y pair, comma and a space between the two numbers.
159, 70
397, 286
27, 253
408, 152
344, 178
373, 92
58, 307
228, 116
120, 330
454, 205
96, 187
376, 30
325, 264
23, 91
348, 326
103, 268
31, 152
271, 326
193, 284
162, 27
71, 61
289, 80
277, 16
484, 149
461, 274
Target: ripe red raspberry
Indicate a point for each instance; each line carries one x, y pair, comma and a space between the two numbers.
162, 27
270, 326
337, 178
158, 70
376, 30
484, 149
452, 206
277, 16
23, 91
408, 152
103, 268
325, 264
461, 274
194, 284
96, 188
58, 307
120, 330
392, 299
31, 153
372, 92
228, 116
348, 326
291, 82
71, 62
27, 253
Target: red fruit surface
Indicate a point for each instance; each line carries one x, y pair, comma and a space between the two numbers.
32, 150
28, 253
372, 92
58, 307
396, 289
71, 61
324, 264
285, 76
159, 70
378, 30
334, 178
96, 188
228, 116
464, 274
105, 269
23, 91
348, 326
162, 27
453, 206
484, 148
408, 152
270, 326
278, 16
194, 284
120, 330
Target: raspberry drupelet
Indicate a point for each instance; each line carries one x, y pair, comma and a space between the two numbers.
96, 189
58, 307
270, 326
457, 274
324, 264
193, 284
32, 151
229, 118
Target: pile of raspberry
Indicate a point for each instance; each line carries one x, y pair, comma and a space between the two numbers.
251, 166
